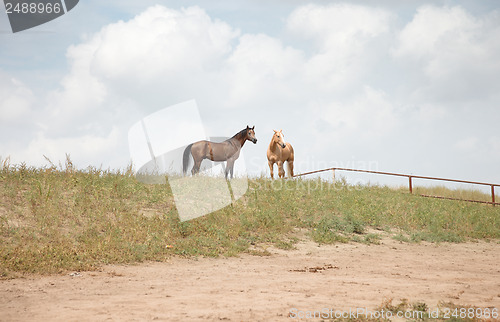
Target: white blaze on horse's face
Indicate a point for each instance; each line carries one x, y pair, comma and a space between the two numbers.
279, 138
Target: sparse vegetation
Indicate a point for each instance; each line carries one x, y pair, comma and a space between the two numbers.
55, 219
391, 310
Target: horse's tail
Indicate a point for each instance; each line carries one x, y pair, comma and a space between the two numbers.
290, 168
185, 158
290, 160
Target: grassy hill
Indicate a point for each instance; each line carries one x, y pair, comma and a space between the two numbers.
58, 219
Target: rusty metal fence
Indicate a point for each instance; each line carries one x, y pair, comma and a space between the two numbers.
410, 183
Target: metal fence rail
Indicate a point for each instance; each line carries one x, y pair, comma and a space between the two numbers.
411, 177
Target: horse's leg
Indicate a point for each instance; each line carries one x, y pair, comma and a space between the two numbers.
271, 166
230, 165
233, 159
281, 171
196, 166
224, 167
232, 169
229, 168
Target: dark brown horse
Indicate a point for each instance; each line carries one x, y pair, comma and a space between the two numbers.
228, 150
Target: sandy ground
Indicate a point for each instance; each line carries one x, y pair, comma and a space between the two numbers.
283, 286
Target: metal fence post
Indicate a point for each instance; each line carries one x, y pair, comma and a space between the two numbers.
411, 188
333, 174
493, 194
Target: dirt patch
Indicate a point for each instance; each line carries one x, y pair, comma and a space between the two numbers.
264, 288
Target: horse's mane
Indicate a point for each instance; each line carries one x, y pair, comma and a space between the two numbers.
241, 133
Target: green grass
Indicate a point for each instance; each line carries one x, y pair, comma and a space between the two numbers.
57, 219
466, 194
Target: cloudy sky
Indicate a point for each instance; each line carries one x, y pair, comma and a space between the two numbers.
403, 86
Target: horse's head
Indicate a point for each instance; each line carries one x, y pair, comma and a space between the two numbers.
251, 134
278, 138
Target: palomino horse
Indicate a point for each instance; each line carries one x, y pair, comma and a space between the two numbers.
279, 152
228, 150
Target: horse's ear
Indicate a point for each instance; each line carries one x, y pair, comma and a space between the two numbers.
275, 131
253, 127
248, 127
281, 131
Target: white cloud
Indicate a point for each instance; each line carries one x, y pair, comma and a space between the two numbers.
159, 42
433, 28
16, 100
83, 150
80, 97
339, 27
368, 117
456, 51
343, 36
261, 67
160, 53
